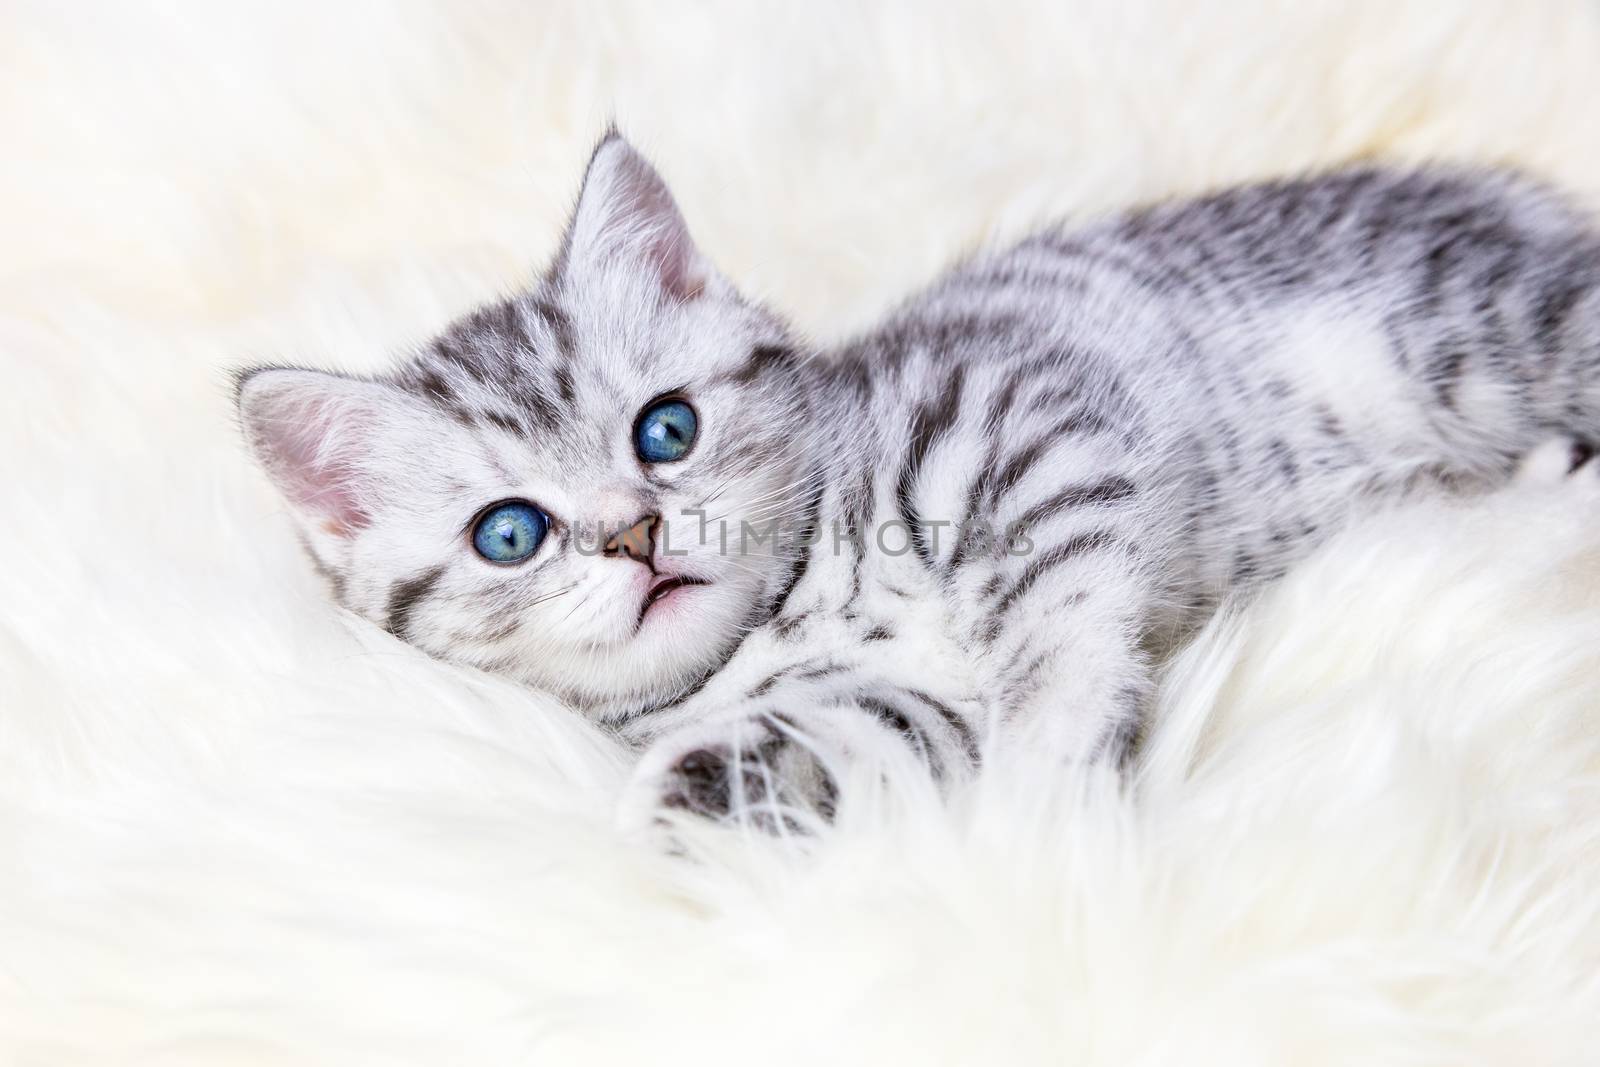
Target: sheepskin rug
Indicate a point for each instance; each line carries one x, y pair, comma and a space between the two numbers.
239, 828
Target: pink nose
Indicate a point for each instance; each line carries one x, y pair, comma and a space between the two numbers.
637, 542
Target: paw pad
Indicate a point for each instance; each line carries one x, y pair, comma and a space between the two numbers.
701, 782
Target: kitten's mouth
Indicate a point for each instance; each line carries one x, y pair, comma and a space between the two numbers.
664, 588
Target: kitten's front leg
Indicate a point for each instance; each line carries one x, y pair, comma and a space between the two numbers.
776, 748
776, 765
1061, 635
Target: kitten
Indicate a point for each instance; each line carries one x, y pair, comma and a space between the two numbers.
635, 489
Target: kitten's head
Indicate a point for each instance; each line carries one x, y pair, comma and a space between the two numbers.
468, 501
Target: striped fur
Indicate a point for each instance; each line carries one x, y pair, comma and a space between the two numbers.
975, 524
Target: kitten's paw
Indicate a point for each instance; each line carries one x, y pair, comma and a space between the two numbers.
756, 770
1558, 460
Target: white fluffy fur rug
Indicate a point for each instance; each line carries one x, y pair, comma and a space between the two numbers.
236, 828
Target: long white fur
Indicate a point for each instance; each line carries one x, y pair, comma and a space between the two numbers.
236, 828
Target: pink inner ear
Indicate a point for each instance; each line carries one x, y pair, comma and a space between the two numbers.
676, 261
626, 210
327, 493
647, 207
312, 443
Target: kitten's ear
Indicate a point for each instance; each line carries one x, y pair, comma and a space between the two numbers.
317, 436
626, 214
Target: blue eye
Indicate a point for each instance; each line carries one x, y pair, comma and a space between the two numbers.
510, 532
665, 431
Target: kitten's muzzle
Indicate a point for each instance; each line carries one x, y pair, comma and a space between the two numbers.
663, 588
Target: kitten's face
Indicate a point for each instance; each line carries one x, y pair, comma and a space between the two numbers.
466, 501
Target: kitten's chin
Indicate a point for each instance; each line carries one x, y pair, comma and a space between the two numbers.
684, 634
661, 637
657, 685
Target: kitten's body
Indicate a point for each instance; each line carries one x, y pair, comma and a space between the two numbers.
1148, 415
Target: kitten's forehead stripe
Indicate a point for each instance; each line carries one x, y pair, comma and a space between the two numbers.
509, 423
560, 326
430, 385
545, 413
434, 387
448, 348
564, 386
494, 459
762, 359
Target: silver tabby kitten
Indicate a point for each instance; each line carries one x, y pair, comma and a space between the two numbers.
635, 489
